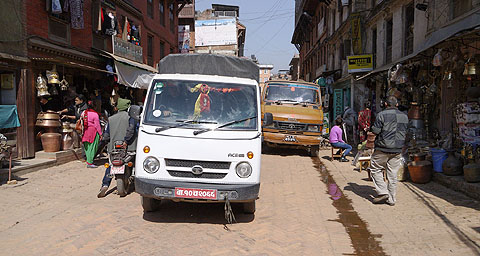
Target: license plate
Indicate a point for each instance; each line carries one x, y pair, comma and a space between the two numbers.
196, 193
117, 170
290, 138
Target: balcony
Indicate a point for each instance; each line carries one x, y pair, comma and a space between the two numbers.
188, 12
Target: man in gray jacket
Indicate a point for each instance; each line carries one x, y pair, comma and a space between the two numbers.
121, 127
391, 129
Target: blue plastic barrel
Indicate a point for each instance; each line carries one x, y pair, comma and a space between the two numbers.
438, 156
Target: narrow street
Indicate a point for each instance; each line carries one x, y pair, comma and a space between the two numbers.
301, 211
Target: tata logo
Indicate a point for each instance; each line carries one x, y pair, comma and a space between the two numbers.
197, 170
235, 155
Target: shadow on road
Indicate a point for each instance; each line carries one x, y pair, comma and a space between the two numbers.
365, 191
4, 178
285, 152
205, 213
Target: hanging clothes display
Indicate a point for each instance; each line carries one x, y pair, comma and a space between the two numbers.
75, 7
110, 25
135, 35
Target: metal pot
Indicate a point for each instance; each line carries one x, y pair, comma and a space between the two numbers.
452, 165
48, 115
420, 171
51, 141
471, 172
416, 123
414, 111
48, 123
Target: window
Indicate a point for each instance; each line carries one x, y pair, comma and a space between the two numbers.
462, 7
162, 50
58, 30
388, 41
161, 8
171, 17
408, 40
150, 8
150, 50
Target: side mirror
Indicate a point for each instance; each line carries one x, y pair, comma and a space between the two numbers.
267, 119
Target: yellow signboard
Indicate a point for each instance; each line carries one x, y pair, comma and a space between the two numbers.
360, 63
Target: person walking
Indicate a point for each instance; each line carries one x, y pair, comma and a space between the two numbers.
364, 121
391, 127
92, 133
336, 140
350, 120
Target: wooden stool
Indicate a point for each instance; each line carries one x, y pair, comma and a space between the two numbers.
341, 150
362, 160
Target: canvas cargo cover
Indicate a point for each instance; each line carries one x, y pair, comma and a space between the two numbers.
209, 64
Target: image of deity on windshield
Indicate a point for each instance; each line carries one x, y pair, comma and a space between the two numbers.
201, 104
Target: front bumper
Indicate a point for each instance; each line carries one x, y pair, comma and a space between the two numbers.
160, 189
300, 139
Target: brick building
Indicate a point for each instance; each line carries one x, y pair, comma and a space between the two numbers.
90, 43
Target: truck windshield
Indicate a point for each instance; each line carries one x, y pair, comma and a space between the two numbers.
200, 104
291, 93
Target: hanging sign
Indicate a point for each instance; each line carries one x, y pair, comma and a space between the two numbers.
360, 63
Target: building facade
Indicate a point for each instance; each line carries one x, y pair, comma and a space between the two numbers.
88, 44
421, 52
265, 73
219, 31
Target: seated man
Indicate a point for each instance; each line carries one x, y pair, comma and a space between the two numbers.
337, 141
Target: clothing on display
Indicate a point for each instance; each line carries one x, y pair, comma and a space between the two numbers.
75, 7
110, 25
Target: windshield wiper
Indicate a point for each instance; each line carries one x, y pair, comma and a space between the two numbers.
182, 123
304, 102
223, 125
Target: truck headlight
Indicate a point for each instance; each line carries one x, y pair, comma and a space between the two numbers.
313, 128
151, 164
244, 170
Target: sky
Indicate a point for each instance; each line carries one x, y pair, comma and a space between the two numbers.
269, 24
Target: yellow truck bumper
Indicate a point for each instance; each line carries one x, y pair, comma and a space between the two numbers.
291, 139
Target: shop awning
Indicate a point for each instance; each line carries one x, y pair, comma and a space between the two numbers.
437, 37
131, 73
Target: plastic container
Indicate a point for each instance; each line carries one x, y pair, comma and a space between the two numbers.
438, 156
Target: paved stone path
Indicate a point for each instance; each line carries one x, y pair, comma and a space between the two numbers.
55, 212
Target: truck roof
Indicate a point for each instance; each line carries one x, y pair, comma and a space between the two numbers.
209, 64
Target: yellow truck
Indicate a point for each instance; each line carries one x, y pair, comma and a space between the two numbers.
297, 114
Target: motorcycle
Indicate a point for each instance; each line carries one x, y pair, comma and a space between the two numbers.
121, 163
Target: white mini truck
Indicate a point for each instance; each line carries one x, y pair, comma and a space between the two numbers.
200, 132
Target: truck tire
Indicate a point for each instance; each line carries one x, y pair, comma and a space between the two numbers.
249, 207
313, 152
121, 185
150, 204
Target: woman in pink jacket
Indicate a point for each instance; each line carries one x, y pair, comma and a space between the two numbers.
337, 141
92, 133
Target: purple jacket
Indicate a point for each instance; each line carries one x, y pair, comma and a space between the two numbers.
336, 135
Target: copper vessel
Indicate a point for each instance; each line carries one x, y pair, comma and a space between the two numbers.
46, 123
51, 141
414, 111
420, 170
48, 115
471, 172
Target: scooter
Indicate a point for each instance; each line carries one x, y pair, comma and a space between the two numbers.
121, 163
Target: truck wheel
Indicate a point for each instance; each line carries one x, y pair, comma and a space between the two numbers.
150, 204
313, 151
249, 207
121, 189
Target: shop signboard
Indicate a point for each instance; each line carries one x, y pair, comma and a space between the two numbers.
127, 50
360, 63
216, 32
184, 38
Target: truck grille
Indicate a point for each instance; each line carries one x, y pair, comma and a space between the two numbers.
291, 126
205, 175
203, 164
